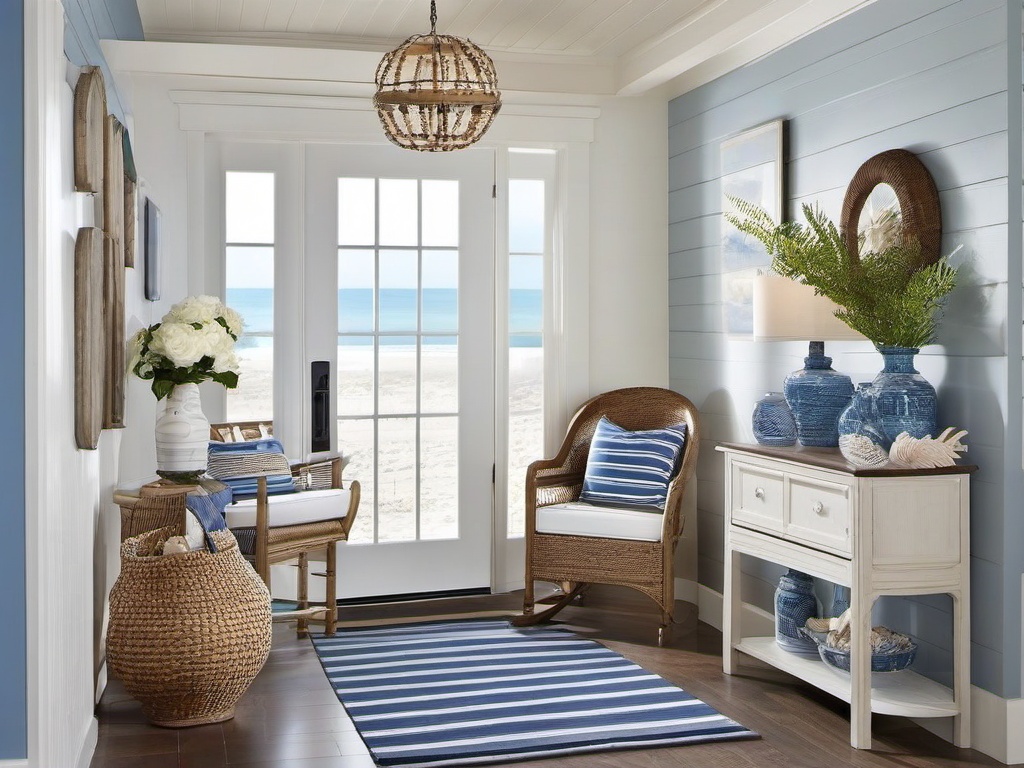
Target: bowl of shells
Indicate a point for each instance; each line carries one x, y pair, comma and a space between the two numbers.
890, 651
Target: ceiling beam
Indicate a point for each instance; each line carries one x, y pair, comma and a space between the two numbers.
723, 35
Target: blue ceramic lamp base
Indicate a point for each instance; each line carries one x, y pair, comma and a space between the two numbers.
817, 395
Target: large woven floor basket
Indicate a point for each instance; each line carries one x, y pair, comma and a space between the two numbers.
188, 632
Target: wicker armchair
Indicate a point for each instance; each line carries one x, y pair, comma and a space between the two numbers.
271, 543
576, 561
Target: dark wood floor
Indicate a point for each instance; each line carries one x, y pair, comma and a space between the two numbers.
291, 718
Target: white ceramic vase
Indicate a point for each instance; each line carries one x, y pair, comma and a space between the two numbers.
182, 434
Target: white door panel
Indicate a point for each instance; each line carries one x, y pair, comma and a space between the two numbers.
412, 357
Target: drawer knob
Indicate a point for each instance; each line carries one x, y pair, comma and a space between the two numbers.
759, 493
818, 508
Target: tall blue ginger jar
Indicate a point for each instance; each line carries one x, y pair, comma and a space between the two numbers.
906, 402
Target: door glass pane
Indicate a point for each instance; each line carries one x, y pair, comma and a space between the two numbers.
356, 211
526, 293
525, 420
396, 392
396, 480
441, 291
527, 258
249, 290
355, 441
526, 216
440, 213
355, 290
398, 347
355, 375
439, 477
439, 374
249, 207
399, 275
399, 212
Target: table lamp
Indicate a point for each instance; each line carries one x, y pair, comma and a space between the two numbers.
785, 310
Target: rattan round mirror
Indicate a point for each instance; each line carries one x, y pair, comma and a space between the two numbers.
892, 195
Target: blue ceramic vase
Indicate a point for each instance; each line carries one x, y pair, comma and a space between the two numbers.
817, 395
906, 402
795, 603
772, 421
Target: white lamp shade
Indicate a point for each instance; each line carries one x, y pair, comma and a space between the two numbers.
785, 310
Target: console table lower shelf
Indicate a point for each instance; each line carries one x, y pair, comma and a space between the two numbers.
902, 693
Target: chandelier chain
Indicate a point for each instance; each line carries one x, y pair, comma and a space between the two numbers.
433, 17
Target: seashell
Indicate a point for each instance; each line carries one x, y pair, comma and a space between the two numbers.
175, 545
928, 451
862, 451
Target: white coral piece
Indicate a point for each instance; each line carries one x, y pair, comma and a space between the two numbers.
928, 451
861, 451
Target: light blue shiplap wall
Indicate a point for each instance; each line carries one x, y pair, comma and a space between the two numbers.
930, 76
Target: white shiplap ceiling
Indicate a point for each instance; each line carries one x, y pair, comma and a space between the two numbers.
634, 45
606, 29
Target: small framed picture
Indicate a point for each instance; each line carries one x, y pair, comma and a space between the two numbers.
753, 164
151, 250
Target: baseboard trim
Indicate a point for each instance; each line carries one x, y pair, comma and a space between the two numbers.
687, 591
997, 724
14, 763
89, 741
101, 681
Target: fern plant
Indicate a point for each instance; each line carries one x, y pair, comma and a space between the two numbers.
885, 295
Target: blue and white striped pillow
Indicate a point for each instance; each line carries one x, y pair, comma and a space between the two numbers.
632, 468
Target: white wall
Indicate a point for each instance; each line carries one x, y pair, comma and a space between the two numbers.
629, 245
614, 181
626, 220
73, 527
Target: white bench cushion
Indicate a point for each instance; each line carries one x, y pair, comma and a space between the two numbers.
291, 508
582, 519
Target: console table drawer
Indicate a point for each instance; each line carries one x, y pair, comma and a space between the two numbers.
819, 513
801, 507
759, 498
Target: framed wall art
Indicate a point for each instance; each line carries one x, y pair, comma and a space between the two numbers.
753, 169
151, 250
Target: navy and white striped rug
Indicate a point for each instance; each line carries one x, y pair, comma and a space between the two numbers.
470, 692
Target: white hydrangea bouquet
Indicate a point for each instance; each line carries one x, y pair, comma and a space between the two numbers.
193, 343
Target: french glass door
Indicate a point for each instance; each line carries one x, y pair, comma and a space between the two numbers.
399, 292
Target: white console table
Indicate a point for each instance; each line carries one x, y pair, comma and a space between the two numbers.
877, 531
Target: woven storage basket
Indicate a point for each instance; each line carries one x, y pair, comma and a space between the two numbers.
188, 632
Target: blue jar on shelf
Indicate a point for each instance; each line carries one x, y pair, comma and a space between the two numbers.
795, 603
773, 421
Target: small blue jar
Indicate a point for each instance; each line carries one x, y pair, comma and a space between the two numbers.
795, 603
773, 421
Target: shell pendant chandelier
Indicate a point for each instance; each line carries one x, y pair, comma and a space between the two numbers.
436, 93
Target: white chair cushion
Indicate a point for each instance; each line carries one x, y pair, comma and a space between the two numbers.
582, 519
291, 508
